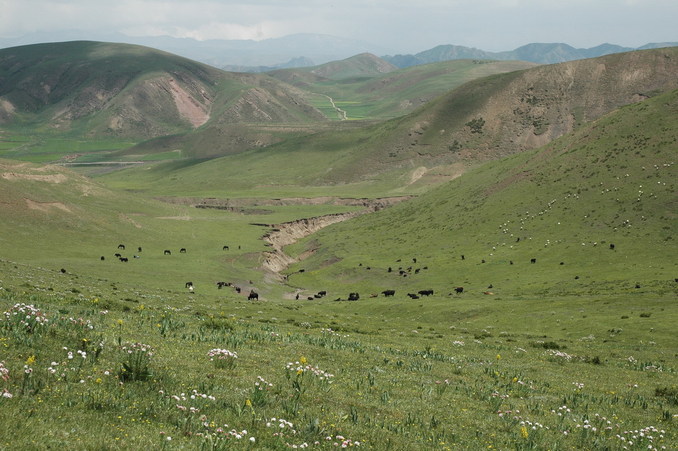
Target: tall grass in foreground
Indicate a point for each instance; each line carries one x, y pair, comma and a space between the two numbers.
322, 374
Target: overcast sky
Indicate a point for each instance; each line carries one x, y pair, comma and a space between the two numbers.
407, 26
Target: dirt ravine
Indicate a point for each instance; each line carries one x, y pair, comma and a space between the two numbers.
276, 260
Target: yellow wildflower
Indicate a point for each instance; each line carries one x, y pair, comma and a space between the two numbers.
523, 432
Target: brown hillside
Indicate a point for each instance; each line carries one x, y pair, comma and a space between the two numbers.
101, 89
509, 113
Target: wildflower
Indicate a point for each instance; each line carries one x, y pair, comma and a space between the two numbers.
4, 372
523, 432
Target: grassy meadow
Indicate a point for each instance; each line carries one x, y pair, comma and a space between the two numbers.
112, 355
92, 363
529, 303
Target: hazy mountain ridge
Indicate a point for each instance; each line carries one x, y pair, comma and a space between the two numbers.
542, 53
307, 49
248, 55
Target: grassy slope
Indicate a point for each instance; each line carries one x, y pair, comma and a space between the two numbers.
471, 372
613, 181
56, 96
370, 94
54, 218
521, 110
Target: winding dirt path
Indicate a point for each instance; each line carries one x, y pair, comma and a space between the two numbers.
342, 114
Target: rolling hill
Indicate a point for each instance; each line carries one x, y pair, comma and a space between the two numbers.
172, 107
596, 209
117, 90
485, 119
365, 86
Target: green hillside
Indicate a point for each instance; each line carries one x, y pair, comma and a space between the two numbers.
613, 182
113, 355
367, 88
53, 218
54, 97
574, 351
482, 120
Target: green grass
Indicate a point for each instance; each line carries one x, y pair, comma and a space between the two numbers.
47, 148
545, 362
610, 183
365, 93
429, 374
574, 356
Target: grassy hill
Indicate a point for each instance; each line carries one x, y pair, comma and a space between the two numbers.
366, 87
613, 182
579, 355
113, 355
87, 91
482, 120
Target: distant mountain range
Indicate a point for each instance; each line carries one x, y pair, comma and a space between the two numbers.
305, 50
535, 53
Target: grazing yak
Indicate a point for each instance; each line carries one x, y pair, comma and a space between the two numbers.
413, 296
533, 260
459, 290
189, 284
253, 296
353, 296
388, 293
425, 292
121, 246
182, 250
167, 252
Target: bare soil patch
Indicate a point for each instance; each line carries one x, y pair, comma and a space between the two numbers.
51, 178
46, 206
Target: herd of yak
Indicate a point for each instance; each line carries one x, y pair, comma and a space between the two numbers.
253, 295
